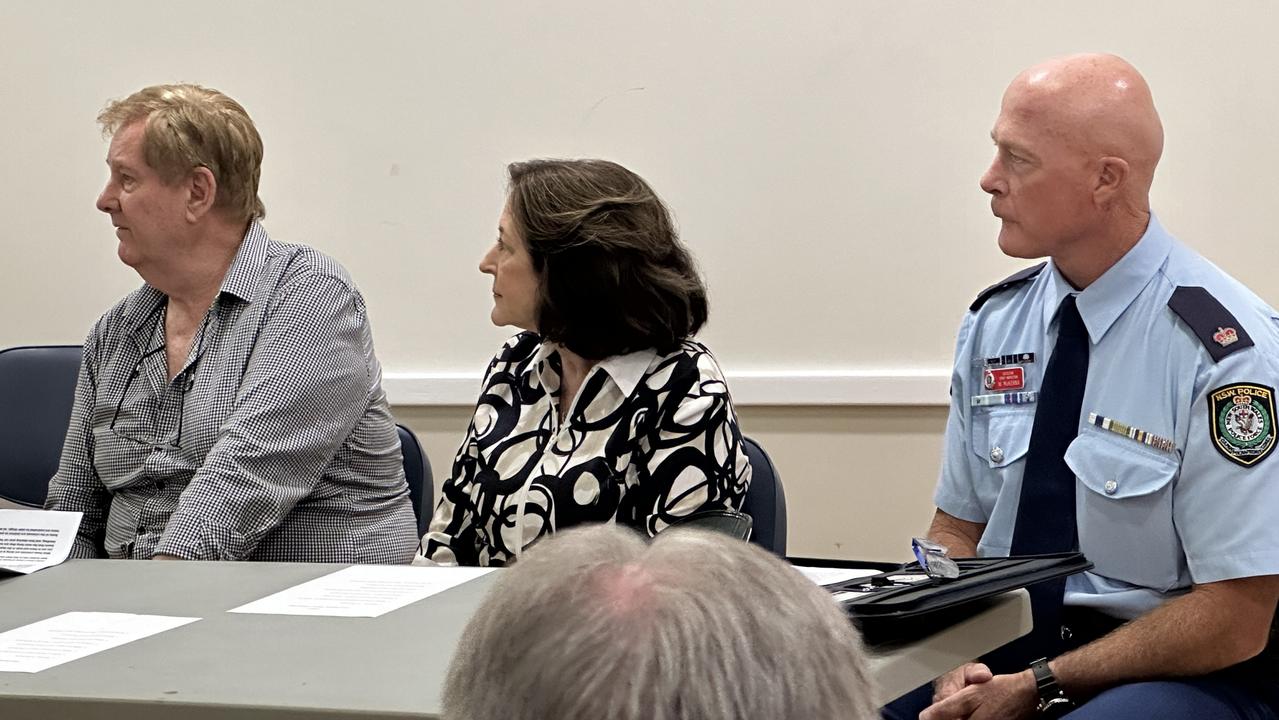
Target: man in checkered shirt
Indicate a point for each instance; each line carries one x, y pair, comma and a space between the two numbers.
231, 408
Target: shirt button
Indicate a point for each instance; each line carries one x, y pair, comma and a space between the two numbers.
996, 454
1111, 487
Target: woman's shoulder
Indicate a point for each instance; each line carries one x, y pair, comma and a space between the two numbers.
688, 347
519, 347
689, 358
514, 355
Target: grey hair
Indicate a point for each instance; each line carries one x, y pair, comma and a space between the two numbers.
595, 623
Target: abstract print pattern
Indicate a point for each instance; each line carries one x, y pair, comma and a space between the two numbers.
648, 440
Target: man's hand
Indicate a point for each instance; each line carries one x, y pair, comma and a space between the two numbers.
1002, 697
960, 678
162, 556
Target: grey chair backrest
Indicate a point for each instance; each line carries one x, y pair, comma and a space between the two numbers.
765, 500
37, 389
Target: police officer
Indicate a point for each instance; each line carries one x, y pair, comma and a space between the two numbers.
1167, 464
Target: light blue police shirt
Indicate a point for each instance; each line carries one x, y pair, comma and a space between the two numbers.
1180, 488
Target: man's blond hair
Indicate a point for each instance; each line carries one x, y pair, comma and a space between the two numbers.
189, 126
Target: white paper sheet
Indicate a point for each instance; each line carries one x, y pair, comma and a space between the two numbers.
71, 636
362, 590
32, 540
830, 576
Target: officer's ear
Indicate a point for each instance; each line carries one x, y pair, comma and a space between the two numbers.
1110, 180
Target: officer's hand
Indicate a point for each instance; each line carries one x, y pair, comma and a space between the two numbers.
958, 679
1003, 697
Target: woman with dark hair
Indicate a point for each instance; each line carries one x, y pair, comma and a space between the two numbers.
604, 409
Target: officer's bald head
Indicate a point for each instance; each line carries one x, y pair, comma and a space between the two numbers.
1078, 140
1096, 105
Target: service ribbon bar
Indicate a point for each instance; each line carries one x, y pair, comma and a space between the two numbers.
1131, 432
1011, 398
1011, 359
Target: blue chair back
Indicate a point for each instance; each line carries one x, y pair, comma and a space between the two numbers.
765, 500
37, 389
417, 471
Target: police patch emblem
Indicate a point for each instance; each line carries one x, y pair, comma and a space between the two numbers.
1243, 422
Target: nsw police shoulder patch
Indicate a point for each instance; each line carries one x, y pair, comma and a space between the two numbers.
1242, 417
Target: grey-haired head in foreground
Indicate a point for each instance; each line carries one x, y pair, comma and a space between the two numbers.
597, 623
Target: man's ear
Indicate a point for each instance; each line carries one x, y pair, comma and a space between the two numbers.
1111, 180
202, 190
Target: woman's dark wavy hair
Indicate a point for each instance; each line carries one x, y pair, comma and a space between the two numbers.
614, 277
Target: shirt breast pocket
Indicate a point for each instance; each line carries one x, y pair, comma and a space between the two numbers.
1001, 435
1125, 510
999, 441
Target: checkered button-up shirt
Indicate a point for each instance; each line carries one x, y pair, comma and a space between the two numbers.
275, 441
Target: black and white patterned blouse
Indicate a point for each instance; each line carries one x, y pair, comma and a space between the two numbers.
648, 439
274, 442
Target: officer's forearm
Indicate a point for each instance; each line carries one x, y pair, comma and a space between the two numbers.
1212, 627
959, 536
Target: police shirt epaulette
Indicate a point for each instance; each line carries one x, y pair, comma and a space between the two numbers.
1218, 330
1011, 281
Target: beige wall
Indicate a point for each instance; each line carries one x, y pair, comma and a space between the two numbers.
822, 159
858, 480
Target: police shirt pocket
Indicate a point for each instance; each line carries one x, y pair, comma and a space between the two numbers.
1125, 509
1001, 435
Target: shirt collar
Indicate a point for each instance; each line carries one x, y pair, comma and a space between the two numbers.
242, 277
626, 371
141, 318
1101, 303
544, 351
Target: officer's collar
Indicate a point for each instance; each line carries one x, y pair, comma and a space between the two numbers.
1102, 302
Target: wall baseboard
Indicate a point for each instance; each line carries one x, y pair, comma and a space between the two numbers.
925, 386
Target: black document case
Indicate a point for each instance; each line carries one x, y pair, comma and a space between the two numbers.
891, 610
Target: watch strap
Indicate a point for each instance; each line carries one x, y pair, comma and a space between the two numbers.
1052, 699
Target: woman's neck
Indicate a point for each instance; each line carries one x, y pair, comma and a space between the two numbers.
573, 370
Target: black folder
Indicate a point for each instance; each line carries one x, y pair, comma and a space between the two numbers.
888, 608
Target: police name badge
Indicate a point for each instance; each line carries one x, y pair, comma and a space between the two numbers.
1001, 379
1243, 422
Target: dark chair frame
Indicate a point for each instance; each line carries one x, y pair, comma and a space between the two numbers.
417, 471
765, 500
37, 390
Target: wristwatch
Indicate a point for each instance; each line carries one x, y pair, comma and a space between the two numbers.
1053, 703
